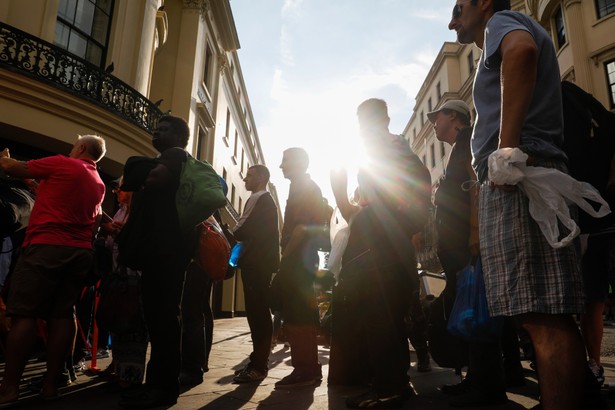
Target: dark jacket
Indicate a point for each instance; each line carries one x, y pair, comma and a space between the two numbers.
261, 237
452, 201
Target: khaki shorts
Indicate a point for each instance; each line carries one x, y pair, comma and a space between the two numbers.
48, 281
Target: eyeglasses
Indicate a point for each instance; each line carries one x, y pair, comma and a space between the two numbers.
458, 9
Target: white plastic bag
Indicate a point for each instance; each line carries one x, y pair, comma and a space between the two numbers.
340, 232
549, 190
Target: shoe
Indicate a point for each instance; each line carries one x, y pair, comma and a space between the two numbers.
149, 398
10, 404
474, 398
250, 374
517, 381
598, 371
190, 379
409, 391
102, 354
371, 400
243, 369
456, 389
64, 379
297, 379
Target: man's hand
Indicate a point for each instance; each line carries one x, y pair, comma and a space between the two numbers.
5, 153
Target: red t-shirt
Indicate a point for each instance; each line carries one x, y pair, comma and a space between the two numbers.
68, 199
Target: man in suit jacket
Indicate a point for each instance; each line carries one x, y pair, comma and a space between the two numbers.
258, 230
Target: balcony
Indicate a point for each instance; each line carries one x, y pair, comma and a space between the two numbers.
25, 54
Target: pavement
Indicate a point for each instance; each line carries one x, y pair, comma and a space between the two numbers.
231, 348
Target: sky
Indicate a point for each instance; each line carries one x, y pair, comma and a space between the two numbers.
307, 65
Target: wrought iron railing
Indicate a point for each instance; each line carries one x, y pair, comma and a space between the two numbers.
36, 58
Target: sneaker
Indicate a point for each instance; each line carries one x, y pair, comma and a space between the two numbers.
249, 375
102, 354
371, 400
243, 369
297, 379
598, 371
456, 389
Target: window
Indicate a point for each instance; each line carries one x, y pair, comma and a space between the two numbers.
424, 160
610, 79
236, 144
243, 158
82, 28
560, 30
432, 151
429, 105
227, 127
208, 67
471, 62
422, 119
200, 143
442, 150
233, 194
224, 174
605, 7
240, 205
439, 91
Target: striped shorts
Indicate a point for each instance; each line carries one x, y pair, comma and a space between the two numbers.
522, 272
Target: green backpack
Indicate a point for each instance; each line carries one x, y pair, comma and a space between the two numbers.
199, 193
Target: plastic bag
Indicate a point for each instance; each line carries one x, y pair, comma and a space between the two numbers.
469, 317
549, 191
340, 232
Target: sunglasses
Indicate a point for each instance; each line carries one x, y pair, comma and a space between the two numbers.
457, 10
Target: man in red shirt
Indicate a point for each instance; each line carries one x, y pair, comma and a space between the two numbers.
56, 256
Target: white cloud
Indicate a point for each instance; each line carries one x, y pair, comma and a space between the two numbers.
440, 15
291, 6
286, 50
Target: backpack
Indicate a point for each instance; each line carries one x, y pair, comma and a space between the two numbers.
213, 250
589, 143
199, 193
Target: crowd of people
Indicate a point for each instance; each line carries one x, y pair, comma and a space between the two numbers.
535, 287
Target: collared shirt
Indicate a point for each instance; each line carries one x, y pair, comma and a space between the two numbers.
249, 207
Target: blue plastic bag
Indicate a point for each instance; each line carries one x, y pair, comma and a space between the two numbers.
236, 253
469, 317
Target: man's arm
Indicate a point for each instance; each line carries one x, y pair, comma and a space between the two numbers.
339, 185
518, 80
12, 167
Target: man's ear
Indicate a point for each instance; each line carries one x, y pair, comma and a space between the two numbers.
485, 5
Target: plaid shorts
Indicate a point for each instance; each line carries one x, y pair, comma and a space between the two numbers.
522, 272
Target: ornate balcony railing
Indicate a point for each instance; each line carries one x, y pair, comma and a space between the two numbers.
23, 53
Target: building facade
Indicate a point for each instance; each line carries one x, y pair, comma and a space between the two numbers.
113, 67
583, 33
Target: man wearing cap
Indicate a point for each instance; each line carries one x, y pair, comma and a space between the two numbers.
517, 95
457, 226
